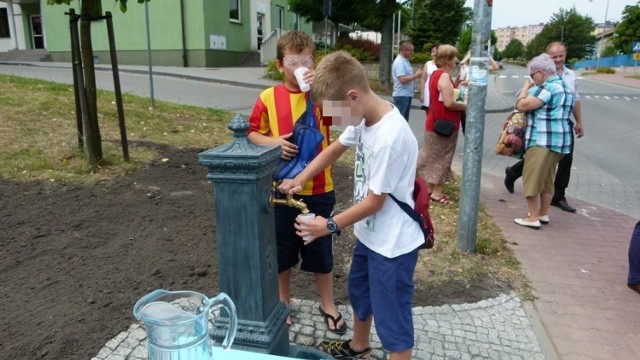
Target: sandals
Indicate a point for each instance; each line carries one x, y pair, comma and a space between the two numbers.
444, 199
328, 317
340, 349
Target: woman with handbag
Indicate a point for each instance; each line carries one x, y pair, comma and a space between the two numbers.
548, 103
441, 127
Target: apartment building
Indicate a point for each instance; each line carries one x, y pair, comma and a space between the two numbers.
523, 33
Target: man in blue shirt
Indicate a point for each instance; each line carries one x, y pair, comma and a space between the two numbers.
403, 78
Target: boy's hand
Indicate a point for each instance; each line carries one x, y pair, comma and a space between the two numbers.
311, 229
308, 76
289, 150
290, 186
418, 74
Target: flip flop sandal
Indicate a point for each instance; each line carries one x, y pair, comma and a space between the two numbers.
328, 317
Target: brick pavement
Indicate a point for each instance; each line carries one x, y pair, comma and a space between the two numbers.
578, 267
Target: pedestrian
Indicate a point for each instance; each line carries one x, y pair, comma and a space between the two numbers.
403, 79
429, 68
633, 281
548, 106
462, 82
438, 148
558, 53
386, 252
271, 122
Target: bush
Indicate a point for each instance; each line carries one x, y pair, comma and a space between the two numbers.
360, 47
272, 71
605, 70
420, 58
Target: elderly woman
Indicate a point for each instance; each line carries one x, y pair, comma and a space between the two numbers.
548, 103
441, 128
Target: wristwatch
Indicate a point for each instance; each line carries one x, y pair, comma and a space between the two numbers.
332, 226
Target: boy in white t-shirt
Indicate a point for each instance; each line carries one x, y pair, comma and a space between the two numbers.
388, 239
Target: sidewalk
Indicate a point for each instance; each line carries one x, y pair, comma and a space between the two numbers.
577, 266
620, 77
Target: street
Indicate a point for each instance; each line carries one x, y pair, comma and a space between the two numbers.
606, 162
606, 166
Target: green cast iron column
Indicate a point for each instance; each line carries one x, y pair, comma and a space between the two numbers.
245, 238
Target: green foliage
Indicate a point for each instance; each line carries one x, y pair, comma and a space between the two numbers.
438, 21
272, 71
464, 43
420, 58
628, 30
610, 50
566, 26
514, 49
605, 70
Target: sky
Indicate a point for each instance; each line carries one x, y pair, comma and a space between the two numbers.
530, 12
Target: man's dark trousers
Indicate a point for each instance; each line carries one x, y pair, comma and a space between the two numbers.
562, 174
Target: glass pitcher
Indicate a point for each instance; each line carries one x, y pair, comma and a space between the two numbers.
177, 323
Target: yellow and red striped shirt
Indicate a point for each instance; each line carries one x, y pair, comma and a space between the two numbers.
274, 114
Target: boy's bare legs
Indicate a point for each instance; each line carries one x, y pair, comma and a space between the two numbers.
362, 334
405, 355
284, 288
325, 289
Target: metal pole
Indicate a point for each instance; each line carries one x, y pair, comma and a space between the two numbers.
146, 18
116, 86
399, 21
82, 95
13, 34
604, 29
73, 22
473, 140
393, 26
326, 30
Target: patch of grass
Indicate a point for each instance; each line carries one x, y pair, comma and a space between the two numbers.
38, 141
38, 135
446, 262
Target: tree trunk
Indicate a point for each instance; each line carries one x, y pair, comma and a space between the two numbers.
92, 139
386, 51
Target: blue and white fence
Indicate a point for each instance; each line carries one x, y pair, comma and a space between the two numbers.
611, 61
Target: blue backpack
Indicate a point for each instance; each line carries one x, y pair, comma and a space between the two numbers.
307, 137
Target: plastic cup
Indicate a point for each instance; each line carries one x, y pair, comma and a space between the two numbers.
303, 219
299, 74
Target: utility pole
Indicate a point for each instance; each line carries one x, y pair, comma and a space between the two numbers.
473, 140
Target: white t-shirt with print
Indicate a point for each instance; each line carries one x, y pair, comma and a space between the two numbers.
386, 155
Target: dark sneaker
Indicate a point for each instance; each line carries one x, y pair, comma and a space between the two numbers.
340, 349
509, 180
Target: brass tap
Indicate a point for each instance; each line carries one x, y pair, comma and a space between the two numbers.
289, 201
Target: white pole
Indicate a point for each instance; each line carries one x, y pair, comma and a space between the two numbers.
146, 17
12, 25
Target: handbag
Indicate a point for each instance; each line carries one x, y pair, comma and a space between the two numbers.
511, 141
307, 137
420, 212
444, 127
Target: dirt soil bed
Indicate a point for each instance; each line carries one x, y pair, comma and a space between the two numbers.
76, 258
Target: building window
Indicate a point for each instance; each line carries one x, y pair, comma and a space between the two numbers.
279, 17
234, 10
296, 22
4, 24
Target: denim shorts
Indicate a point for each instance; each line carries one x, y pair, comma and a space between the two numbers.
383, 287
317, 257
